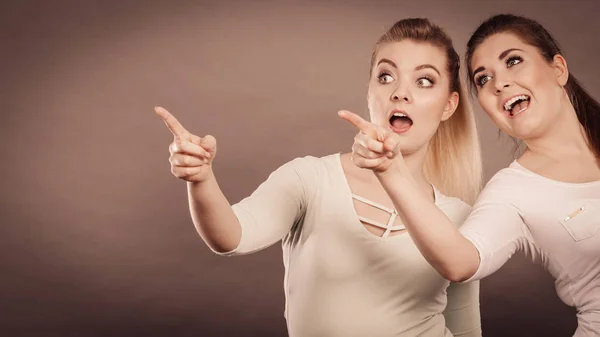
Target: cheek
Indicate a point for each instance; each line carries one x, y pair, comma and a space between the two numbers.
489, 105
431, 104
542, 83
533, 78
487, 102
540, 77
376, 107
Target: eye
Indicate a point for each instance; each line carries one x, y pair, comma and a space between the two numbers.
483, 79
384, 78
513, 61
425, 82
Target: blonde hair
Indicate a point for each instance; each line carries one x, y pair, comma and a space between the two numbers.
453, 162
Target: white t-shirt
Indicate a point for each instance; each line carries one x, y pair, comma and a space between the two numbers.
555, 223
340, 279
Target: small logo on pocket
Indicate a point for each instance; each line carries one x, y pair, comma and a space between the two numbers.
574, 214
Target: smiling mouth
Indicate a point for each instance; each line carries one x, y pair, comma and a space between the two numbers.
516, 105
400, 122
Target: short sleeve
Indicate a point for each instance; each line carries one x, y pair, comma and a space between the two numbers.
269, 213
495, 227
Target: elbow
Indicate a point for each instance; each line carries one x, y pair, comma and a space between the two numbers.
456, 275
225, 244
223, 250
461, 268
221, 247
456, 278
453, 276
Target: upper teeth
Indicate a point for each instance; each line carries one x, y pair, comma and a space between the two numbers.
399, 114
510, 102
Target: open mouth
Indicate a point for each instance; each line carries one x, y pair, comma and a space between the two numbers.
516, 105
400, 122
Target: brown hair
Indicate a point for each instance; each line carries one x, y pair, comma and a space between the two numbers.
534, 34
453, 162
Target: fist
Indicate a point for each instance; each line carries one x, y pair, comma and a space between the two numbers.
374, 147
190, 156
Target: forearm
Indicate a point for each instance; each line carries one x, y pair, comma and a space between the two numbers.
213, 216
438, 239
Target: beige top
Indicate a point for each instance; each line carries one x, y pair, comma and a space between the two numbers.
340, 279
555, 223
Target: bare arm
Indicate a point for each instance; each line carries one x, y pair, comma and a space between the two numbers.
255, 222
438, 239
213, 216
261, 219
490, 235
191, 160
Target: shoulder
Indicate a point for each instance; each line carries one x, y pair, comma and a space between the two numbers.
507, 184
312, 164
310, 168
454, 208
510, 177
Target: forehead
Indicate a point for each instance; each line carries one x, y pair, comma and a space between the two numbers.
408, 53
493, 46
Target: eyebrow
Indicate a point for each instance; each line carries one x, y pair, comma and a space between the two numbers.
506, 52
422, 66
500, 57
428, 66
390, 62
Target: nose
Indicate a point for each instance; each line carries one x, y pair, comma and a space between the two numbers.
504, 86
400, 94
501, 84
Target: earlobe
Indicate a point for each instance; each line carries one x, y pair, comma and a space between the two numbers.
562, 71
451, 106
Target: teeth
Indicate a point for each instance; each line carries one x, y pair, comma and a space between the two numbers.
510, 102
399, 114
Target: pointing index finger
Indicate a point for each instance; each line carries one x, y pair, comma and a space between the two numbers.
172, 123
357, 121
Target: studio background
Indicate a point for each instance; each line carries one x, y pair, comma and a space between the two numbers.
95, 235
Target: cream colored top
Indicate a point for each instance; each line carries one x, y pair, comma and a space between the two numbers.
554, 223
340, 279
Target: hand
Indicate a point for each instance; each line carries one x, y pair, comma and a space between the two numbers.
191, 156
374, 148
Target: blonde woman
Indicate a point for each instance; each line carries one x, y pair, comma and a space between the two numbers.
545, 204
350, 267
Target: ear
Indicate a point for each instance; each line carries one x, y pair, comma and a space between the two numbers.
451, 106
560, 68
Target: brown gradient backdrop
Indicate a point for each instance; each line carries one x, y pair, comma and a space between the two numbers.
96, 239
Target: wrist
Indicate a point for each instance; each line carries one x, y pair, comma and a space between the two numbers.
395, 169
208, 179
392, 175
395, 175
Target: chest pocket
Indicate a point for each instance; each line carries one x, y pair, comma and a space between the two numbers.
583, 222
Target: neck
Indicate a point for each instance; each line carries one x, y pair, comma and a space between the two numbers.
564, 139
409, 166
414, 163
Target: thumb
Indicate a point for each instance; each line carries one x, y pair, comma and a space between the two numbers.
209, 143
391, 144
